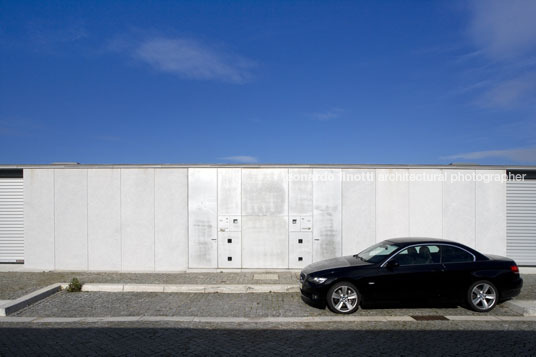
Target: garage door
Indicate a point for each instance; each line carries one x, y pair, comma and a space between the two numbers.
521, 221
11, 216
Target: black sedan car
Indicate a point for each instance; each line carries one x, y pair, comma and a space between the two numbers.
408, 270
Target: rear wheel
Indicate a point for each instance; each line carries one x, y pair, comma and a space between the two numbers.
343, 298
482, 296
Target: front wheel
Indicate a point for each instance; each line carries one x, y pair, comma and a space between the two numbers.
482, 296
343, 298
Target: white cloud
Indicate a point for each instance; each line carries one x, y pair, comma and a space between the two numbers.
504, 29
504, 67
243, 159
519, 155
327, 115
187, 58
510, 92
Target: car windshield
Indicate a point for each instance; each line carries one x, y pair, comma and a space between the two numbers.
377, 252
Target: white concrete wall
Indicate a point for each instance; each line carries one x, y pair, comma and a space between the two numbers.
358, 210
459, 208
104, 219
171, 219
203, 217
229, 210
425, 204
265, 218
70, 197
327, 207
137, 219
265, 242
39, 219
392, 204
300, 241
491, 215
166, 219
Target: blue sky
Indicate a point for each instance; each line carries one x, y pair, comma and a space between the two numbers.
416, 82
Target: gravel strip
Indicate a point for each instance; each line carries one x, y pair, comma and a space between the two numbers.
101, 304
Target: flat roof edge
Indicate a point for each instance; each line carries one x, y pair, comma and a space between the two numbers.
335, 166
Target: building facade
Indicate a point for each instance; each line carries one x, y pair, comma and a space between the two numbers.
177, 217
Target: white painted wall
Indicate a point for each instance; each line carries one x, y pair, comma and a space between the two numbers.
70, 197
171, 219
137, 219
203, 217
39, 219
358, 210
392, 204
104, 219
491, 215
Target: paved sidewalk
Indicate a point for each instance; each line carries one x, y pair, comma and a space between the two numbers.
17, 284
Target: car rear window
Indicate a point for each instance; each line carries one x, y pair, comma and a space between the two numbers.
450, 254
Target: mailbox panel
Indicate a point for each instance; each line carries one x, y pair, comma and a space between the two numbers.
229, 250
300, 249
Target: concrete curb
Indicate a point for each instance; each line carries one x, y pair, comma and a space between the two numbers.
29, 299
193, 288
241, 320
524, 307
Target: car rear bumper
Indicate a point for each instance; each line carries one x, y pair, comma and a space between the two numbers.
512, 290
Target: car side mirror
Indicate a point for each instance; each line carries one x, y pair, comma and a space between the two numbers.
392, 264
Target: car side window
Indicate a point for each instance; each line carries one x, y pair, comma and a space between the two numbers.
450, 254
422, 254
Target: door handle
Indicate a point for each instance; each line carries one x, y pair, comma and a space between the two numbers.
213, 238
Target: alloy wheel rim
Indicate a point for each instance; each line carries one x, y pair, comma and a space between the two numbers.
483, 296
344, 298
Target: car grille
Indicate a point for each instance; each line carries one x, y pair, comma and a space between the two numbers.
302, 277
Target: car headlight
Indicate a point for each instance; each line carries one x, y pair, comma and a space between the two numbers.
319, 280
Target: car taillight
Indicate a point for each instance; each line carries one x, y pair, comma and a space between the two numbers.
514, 269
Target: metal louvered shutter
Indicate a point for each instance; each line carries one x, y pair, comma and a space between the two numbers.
521, 221
11, 220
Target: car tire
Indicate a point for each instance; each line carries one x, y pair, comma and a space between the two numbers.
343, 298
482, 296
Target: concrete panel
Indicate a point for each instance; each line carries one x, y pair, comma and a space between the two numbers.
104, 219
327, 207
358, 210
392, 201
491, 214
300, 192
203, 217
300, 249
70, 192
229, 192
459, 207
264, 242
229, 246
39, 219
137, 219
171, 219
426, 204
265, 192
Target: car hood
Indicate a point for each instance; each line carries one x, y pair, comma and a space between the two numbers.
334, 263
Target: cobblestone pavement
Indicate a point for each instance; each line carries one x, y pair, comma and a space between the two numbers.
101, 304
16, 284
433, 338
